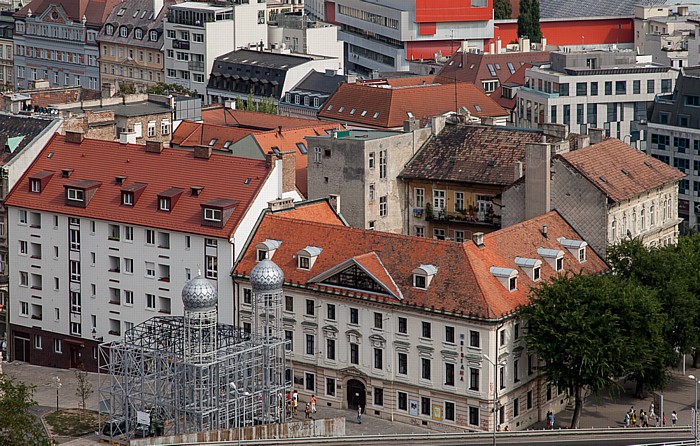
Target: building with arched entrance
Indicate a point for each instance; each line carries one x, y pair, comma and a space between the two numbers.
406, 326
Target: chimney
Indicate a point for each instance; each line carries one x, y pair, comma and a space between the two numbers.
280, 204
543, 42
154, 146
437, 123
203, 152
279, 129
74, 136
289, 171
478, 239
559, 132
525, 44
499, 46
544, 231
334, 201
518, 171
596, 135
537, 179
492, 48
410, 125
583, 141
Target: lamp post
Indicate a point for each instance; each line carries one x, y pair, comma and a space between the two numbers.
695, 414
495, 394
57, 384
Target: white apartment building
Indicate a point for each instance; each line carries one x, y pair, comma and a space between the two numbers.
197, 32
385, 36
302, 35
98, 246
663, 32
405, 326
598, 89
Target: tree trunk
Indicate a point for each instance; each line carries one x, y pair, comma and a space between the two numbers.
696, 357
639, 390
578, 408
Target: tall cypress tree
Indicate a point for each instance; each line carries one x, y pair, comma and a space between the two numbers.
502, 9
524, 18
535, 31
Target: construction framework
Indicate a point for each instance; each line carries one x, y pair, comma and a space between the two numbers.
149, 381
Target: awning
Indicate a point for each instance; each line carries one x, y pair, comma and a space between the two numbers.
74, 341
226, 75
275, 83
235, 76
215, 73
253, 79
264, 81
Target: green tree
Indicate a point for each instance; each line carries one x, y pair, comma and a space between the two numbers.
18, 426
84, 387
529, 20
579, 326
165, 89
502, 9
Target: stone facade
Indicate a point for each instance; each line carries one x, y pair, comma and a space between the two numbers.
361, 167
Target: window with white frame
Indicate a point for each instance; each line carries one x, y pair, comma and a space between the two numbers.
419, 194
383, 207
212, 270
382, 164
459, 201
438, 200
150, 301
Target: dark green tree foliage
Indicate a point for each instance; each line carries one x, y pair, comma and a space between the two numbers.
165, 89
18, 426
529, 20
582, 328
502, 9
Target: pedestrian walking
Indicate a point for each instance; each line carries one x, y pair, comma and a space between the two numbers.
551, 420
307, 411
663, 420
313, 404
359, 414
295, 402
633, 418
674, 418
627, 419
645, 419
652, 414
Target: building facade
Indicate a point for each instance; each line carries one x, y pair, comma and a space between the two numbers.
376, 320
101, 247
58, 43
361, 168
302, 35
384, 37
306, 98
7, 68
131, 43
672, 135
600, 89
608, 191
664, 33
196, 33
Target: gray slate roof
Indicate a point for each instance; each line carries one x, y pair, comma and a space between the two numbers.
320, 82
16, 126
552, 9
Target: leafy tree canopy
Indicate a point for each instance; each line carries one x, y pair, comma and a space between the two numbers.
18, 426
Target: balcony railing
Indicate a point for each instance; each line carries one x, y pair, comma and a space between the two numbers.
467, 217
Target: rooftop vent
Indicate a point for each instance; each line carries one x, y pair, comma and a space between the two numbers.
196, 190
66, 173
74, 136
120, 179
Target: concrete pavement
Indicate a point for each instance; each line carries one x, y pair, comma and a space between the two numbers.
601, 410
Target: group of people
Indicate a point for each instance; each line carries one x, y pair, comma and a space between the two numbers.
631, 418
550, 420
293, 405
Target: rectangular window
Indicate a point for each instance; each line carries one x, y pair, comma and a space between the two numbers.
371, 160
150, 237
608, 88
516, 370
474, 339
150, 269
354, 354
288, 303
425, 369
449, 411
581, 89
579, 114
150, 301
310, 344
289, 337
378, 396
425, 407
516, 407
426, 330
621, 87
383, 206
330, 386
212, 267
449, 374
310, 381
553, 114
402, 401
473, 379
420, 197
566, 118
502, 378
354, 316
403, 363
529, 399
474, 416
378, 358
459, 201
450, 335
128, 297
594, 88
636, 87
330, 312
382, 164
650, 85
330, 349
310, 307
378, 320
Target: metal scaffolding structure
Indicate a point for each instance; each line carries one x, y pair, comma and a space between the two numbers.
183, 374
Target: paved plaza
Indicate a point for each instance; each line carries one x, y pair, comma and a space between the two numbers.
599, 410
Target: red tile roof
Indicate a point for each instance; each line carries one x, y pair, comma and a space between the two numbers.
463, 284
620, 171
254, 120
287, 140
95, 11
474, 67
317, 210
387, 104
516, 80
191, 134
222, 176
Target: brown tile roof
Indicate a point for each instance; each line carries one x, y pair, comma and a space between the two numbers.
387, 103
191, 134
472, 154
95, 11
221, 176
474, 67
288, 140
314, 210
516, 80
254, 120
463, 284
620, 171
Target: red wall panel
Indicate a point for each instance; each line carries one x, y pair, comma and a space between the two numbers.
574, 32
330, 12
427, 29
426, 49
451, 11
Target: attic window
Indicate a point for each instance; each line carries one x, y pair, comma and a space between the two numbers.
217, 212
536, 273
513, 284
554, 257
508, 277
212, 214
376, 115
213, 141
75, 194
119, 180
330, 107
196, 190
410, 115
423, 275
66, 173
246, 181
302, 148
364, 112
352, 112
266, 249
276, 150
164, 204
340, 110
560, 264
35, 185
227, 144
530, 266
127, 198
307, 257
39, 180
121, 12
477, 107
577, 248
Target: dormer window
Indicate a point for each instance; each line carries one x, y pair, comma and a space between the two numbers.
266, 249
123, 31
109, 29
138, 33
76, 194
554, 257
131, 193
530, 266
423, 275
507, 276
217, 212
39, 180
80, 192
167, 199
577, 248
153, 35
307, 257
128, 198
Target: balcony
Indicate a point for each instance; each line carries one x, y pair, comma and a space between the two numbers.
539, 92
195, 66
471, 217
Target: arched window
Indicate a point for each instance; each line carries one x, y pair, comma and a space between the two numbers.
643, 219
614, 230
153, 35
109, 29
138, 33
652, 216
123, 31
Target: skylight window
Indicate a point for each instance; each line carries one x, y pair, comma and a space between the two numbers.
121, 12
410, 115
364, 112
247, 181
477, 107
498, 67
227, 144
511, 68
330, 107
376, 115
352, 112
340, 110
302, 148
213, 141
491, 70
